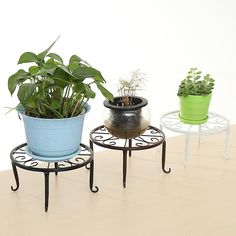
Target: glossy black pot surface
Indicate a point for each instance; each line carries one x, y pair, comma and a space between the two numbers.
126, 121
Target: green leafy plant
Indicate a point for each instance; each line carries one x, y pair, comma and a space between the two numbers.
128, 87
51, 89
196, 84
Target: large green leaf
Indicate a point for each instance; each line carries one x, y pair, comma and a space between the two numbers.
99, 78
65, 69
55, 57
89, 93
104, 91
50, 64
61, 78
43, 54
25, 92
46, 72
28, 57
87, 72
15, 79
33, 70
79, 88
73, 66
74, 59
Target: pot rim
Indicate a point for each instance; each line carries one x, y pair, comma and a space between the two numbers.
143, 102
86, 109
196, 96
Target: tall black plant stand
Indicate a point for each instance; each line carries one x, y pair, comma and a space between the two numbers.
19, 158
153, 137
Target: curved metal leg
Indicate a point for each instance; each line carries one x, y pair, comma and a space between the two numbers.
91, 178
164, 158
130, 145
16, 178
46, 178
124, 167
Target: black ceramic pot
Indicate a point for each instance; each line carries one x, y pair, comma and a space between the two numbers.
126, 121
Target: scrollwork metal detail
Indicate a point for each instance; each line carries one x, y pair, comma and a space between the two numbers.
151, 138
23, 159
20, 158
215, 124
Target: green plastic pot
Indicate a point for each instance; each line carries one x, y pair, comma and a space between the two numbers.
194, 109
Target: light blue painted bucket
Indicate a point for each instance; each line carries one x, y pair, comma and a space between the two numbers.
54, 138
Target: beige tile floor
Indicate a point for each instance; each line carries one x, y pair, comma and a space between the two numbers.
199, 200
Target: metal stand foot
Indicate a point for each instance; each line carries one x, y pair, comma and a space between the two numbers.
91, 178
164, 158
16, 178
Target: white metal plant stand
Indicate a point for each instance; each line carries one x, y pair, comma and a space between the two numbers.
215, 124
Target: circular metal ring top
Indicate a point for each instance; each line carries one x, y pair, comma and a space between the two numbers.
151, 138
21, 159
215, 124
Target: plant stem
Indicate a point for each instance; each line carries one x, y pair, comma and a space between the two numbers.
53, 110
79, 102
65, 97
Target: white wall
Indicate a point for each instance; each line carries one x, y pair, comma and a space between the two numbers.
162, 38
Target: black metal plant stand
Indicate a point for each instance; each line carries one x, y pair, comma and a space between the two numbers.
153, 137
20, 159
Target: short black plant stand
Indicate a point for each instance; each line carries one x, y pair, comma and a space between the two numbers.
153, 137
20, 159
